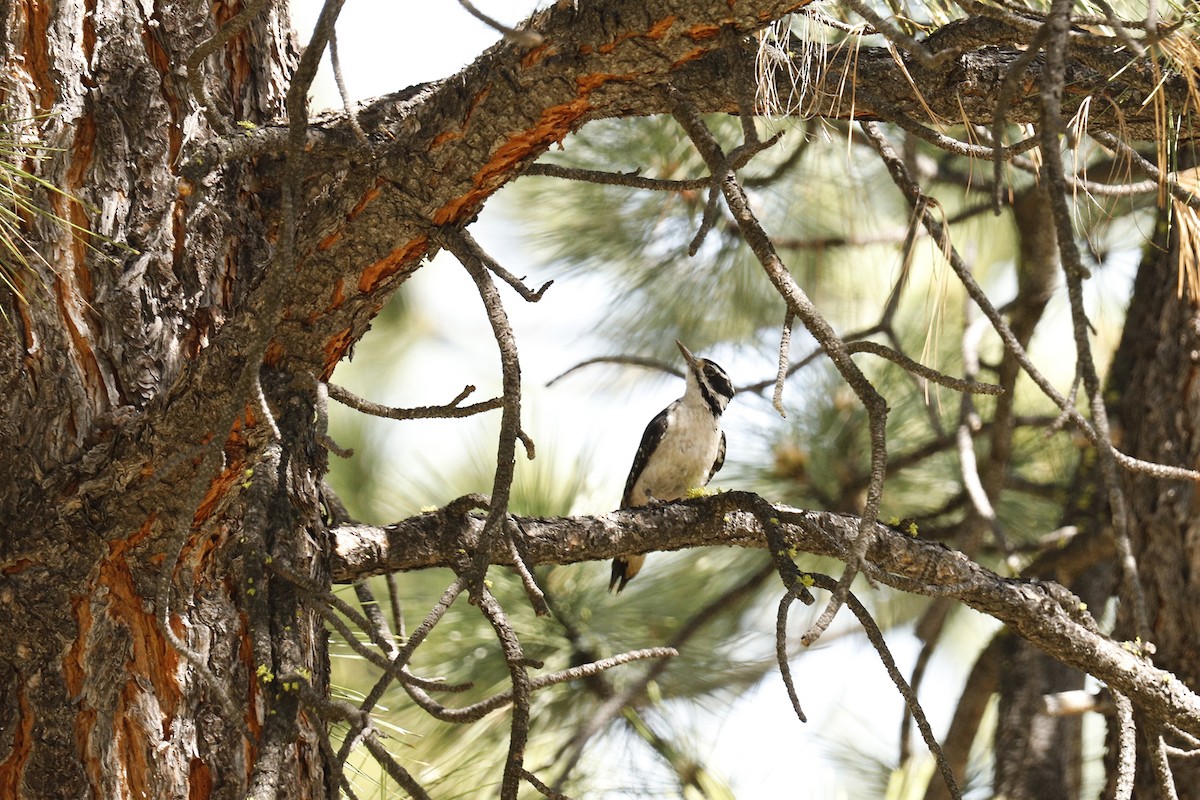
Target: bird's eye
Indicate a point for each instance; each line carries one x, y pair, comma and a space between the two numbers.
718, 380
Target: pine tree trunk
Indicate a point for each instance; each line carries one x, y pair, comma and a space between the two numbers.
1161, 349
94, 698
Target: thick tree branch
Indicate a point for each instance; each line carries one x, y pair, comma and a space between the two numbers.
1042, 612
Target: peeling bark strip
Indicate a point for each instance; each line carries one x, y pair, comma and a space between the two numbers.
1043, 612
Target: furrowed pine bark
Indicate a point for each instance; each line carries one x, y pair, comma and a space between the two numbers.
1161, 348
94, 699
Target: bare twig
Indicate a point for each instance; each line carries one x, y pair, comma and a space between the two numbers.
1177, 190
633, 179
636, 180
393, 768
466, 242
712, 209
528, 38
781, 648
545, 790
968, 422
474, 262
451, 410
892, 32
632, 361
941, 140
396, 608
1008, 90
335, 61
785, 346
1126, 747
477, 711
1122, 29
875, 636
373, 613
331, 711
209, 46
399, 659
321, 410
629, 694
522, 688
1162, 766
967, 386
534, 592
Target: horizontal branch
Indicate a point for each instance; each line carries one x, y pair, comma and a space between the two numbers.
1042, 612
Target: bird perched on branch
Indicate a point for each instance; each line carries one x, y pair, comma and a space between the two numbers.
681, 450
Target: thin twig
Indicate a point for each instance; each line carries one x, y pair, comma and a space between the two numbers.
966, 386
534, 592
636, 180
1162, 767
331, 711
466, 242
335, 61
374, 614
1126, 747
459, 243
393, 768
477, 711
615, 702
632, 361
396, 608
633, 179
209, 46
968, 422
941, 140
785, 345
1122, 29
451, 410
1008, 90
1178, 191
891, 31
546, 791
520, 36
712, 210
875, 636
522, 689
321, 410
401, 658
781, 649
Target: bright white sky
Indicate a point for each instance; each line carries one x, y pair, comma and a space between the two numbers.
756, 742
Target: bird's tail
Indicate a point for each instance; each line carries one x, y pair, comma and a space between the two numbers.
623, 570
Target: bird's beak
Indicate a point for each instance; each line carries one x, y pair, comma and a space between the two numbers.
693, 362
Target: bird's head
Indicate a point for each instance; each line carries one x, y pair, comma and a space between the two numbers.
708, 380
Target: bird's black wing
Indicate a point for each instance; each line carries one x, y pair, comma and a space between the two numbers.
650, 439
720, 462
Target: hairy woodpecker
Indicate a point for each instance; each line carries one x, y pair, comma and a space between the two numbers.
682, 449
